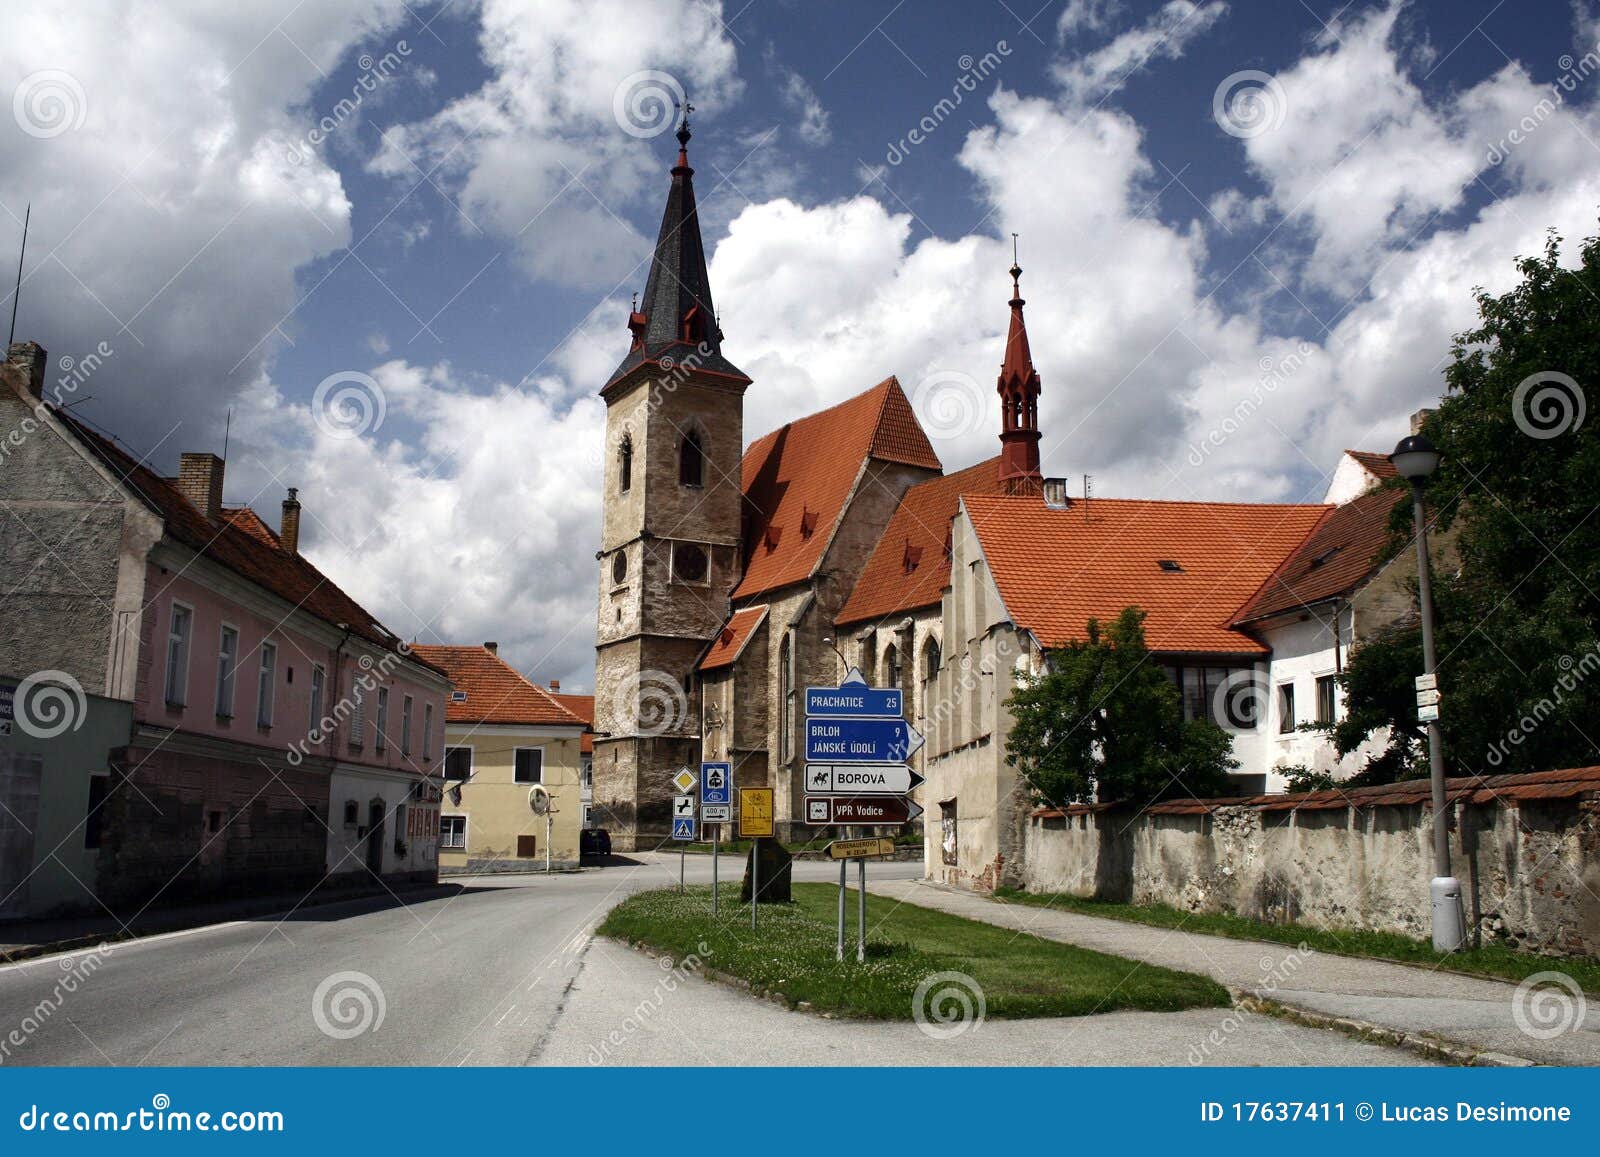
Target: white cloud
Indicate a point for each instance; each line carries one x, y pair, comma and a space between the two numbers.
1163, 36
801, 99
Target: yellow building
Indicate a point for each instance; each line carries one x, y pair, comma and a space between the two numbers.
505, 738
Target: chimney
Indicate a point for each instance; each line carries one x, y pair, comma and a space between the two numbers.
492, 647
555, 684
200, 480
31, 359
1418, 418
289, 526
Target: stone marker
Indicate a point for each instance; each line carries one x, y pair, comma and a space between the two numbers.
776, 872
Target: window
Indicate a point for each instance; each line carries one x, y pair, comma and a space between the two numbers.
1327, 698
227, 668
619, 567
265, 675
1286, 719
458, 763
358, 715
786, 699
527, 847
947, 830
453, 832
405, 726
691, 461
930, 659
891, 666
352, 814
588, 815
529, 765
319, 681
625, 464
1208, 694
427, 731
177, 687
688, 563
380, 737
588, 773
93, 817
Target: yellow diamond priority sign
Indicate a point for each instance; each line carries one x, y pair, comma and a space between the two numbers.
685, 780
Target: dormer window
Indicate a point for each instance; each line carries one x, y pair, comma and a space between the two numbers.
808, 522
773, 536
1169, 565
911, 557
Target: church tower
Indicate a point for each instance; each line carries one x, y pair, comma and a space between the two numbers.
1019, 402
670, 529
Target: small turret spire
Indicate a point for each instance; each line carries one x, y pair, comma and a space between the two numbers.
683, 136
1019, 389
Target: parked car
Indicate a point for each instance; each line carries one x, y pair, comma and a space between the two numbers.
594, 842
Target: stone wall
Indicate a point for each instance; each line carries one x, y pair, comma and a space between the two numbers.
1525, 848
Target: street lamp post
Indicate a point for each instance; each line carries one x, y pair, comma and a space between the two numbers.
1415, 458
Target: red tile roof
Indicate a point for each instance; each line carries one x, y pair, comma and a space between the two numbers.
797, 479
496, 692
1333, 560
909, 569
1056, 569
735, 634
583, 707
239, 541
1375, 463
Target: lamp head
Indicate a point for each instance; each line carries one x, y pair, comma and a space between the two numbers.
1415, 458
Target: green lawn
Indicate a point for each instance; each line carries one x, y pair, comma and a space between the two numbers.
791, 957
1495, 961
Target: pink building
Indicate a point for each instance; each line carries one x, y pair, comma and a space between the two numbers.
281, 736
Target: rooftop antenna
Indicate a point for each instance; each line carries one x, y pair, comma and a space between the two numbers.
17, 296
1088, 489
226, 430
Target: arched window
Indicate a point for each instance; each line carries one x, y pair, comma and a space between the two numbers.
891, 666
625, 463
786, 699
930, 659
691, 461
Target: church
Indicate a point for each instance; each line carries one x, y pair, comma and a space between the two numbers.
732, 578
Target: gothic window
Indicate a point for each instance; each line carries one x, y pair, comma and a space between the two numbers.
891, 666
625, 463
691, 461
930, 659
786, 699
688, 563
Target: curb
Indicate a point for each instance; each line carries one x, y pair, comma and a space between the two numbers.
164, 927
1434, 1048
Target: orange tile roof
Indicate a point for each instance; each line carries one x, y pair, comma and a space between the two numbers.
239, 541
797, 479
1056, 569
1334, 559
735, 634
1375, 463
496, 691
583, 707
908, 568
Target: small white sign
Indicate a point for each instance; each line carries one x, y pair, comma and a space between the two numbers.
1428, 714
1427, 682
682, 805
717, 813
1427, 698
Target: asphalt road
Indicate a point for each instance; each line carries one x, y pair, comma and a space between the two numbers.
507, 973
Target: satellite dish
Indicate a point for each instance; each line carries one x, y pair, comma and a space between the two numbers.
539, 800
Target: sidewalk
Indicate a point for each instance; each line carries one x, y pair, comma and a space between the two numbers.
1465, 1011
24, 939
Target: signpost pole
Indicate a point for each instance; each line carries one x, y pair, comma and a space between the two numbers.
683, 856
716, 843
755, 879
838, 947
549, 826
861, 912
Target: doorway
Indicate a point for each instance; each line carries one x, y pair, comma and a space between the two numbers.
375, 829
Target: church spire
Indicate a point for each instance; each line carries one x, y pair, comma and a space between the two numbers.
1019, 398
676, 319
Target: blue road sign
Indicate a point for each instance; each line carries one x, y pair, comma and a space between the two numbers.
854, 701
716, 783
683, 827
860, 740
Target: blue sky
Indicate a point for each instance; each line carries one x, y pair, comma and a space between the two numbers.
1218, 304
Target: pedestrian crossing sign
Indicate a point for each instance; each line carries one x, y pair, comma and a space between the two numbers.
683, 827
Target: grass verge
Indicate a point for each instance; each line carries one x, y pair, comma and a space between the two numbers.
791, 957
1495, 961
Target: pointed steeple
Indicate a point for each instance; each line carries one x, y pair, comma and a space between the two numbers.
1019, 399
676, 319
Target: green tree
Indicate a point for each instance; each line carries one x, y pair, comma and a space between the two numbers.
1104, 722
1518, 620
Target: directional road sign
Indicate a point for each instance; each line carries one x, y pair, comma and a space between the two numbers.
716, 813
1427, 682
685, 780
853, 699
682, 805
1428, 713
860, 849
683, 827
860, 779
755, 811
861, 740
716, 783
861, 809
